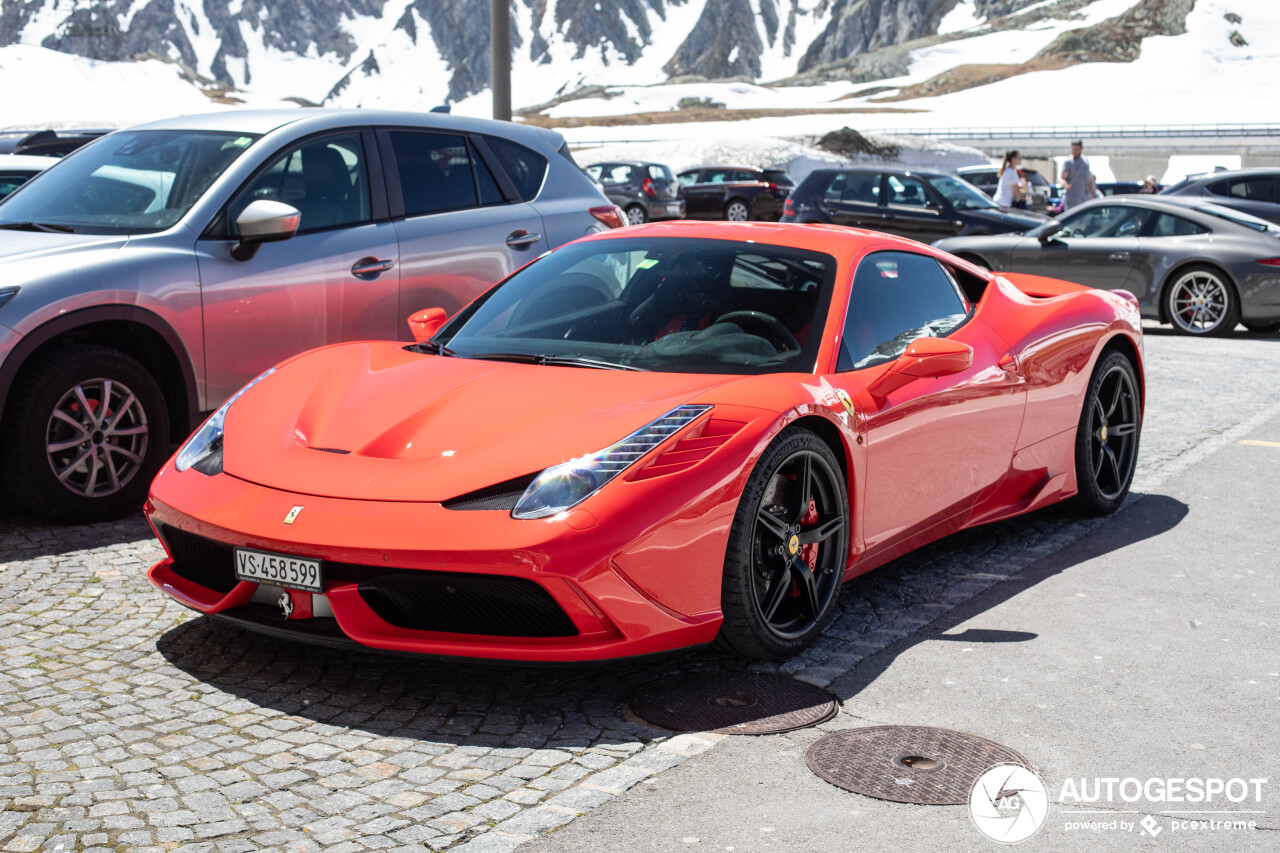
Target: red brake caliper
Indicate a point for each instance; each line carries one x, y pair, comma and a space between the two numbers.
809, 553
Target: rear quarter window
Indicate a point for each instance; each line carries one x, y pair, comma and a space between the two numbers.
526, 167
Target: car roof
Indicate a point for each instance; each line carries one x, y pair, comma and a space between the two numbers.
728, 166
1184, 205
904, 170
1254, 172
318, 119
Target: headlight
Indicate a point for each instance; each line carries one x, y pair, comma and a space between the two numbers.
203, 451
566, 485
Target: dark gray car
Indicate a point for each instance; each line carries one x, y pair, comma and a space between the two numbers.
1252, 191
150, 274
922, 206
644, 191
1199, 266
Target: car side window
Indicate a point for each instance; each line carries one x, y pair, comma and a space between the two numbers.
1167, 225
688, 178
436, 171
745, 177
1106, 221
326, 179
862, 188
905, 191
1252, 189
617, 175
594, 172
526, 167
716, 176
896, 298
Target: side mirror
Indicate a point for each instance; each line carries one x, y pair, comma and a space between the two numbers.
264, 221
924, 358
1047, 234
426, 323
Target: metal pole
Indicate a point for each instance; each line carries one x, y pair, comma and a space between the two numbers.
500, 58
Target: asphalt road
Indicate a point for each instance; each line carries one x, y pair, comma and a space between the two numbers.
1139, 645
1147, 648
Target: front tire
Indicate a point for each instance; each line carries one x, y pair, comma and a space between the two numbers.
787, 550
1107, 436
85, 431
737, 211
1202, 302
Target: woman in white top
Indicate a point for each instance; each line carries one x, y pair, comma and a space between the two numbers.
1010, 189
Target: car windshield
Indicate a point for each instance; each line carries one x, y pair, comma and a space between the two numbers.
1239, 218
962, 194
657, 303
130, 182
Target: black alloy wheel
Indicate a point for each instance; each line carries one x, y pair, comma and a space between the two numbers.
1107, 436
787, 549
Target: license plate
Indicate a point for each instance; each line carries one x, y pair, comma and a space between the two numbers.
279, 569
673, 208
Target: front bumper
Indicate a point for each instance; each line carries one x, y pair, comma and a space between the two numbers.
561, 575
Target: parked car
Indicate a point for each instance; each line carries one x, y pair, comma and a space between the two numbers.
1200, 266
987, 179
46, 143
644, 191
151, 273
721, 419
924, 206
1253, 191
736, 193
17, 169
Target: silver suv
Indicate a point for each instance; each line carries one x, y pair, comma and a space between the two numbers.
153, 272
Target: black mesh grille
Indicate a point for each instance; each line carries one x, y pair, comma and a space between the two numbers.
503, 496
200, 560
466, 604
331, 450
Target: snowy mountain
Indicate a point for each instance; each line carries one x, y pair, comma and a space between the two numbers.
597, 62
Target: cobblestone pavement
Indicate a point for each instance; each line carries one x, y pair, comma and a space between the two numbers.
129, 723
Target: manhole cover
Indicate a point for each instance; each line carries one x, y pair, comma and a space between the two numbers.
736, 703
907, 764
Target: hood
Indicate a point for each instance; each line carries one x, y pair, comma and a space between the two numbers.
373, 421
32, 245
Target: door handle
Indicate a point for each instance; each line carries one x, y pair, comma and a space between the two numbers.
1119, 256
370, 267
520, 238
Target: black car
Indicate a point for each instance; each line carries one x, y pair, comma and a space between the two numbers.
736, 193
924, 206
1252, 191
644, 191
46, 143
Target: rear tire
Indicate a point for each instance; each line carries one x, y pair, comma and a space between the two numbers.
737, 211
85, 431
785, 562
636, 215
1201, 302
1107, 436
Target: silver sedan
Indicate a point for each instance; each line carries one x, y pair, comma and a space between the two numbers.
1199, 266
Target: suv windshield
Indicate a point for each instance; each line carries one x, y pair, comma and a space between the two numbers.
659, 303
131, 182
962, 194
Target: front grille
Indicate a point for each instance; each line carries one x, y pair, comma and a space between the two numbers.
420, 600
200, 560
503, 496
466, 604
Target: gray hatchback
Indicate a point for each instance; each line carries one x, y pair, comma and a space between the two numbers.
644, 191
155, 271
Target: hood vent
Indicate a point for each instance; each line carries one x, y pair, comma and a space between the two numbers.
331, 450
503, 496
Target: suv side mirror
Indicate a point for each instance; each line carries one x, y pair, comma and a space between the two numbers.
924, 358
264, 221
425, 323
1047, 234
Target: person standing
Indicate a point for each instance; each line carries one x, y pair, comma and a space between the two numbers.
1009, 190
1149, 186
1078, 183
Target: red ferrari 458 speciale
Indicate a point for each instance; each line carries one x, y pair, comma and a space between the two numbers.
647, 439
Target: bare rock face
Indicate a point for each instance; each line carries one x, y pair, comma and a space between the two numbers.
724, 42
858, 26
1119, 39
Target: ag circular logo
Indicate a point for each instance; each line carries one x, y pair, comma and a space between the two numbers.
1008, 803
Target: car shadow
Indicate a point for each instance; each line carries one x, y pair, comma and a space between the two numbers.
493, 706
24, 536
1143, 518
1237, 334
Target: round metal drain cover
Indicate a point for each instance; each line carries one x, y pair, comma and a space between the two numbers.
736, 703
908, 764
